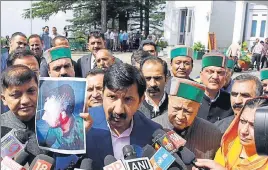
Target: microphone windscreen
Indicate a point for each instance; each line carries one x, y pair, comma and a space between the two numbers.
22, 158
5, 130
148, 151
129, 152
187, 156
159, 132
86, 164
42, 159
109, 159
22, 136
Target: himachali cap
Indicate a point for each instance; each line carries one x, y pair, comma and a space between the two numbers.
181, 51
56, 53
187, 89
214, 59
264, 74
230, 63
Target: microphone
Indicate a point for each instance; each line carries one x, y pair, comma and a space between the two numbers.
43, 162
161, 159
142, 163
188, 157
112, 164
86, 164
176, 139
129, 152
161, 139
8, 164
5, 130
13, 143
22, 158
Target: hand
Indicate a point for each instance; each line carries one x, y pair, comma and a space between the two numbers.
87, 120
210, 164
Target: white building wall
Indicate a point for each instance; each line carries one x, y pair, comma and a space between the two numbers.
239, 23
222, 22
200, 29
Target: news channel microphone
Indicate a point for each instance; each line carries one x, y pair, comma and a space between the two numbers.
43, 162
261, 131
13, 143
22, 158
129, 152
8, 164
161, 139
176, 139
110, 163
160, 159
86, 164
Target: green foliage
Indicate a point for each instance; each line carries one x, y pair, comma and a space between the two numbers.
162, 44
3, 41
198, 46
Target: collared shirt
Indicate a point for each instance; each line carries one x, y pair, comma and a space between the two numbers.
120, 141
214, 100
258, 49
54, 35
155, 107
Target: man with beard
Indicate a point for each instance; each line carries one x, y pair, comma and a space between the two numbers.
59, 61
149, 46
155, 71
17, 40
229, 73
245, 86
181, 62
185, 96
118, 123
104, 59
87, 62
264, 80
216, 104
94, 88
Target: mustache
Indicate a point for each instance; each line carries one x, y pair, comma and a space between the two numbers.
153, 89
64, 75
113, 116
237, 106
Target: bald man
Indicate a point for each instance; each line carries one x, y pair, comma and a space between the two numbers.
104, 59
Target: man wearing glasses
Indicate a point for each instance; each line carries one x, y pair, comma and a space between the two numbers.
216, 104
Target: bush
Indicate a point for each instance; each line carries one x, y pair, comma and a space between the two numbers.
244, 45
198, 46
162, 44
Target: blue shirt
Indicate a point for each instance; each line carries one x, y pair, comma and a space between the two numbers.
121, 37
125, 36
47, 41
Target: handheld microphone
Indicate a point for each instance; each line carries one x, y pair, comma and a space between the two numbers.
43, 162
13, 143
188, 158
8, 164
86, 164
160, 138
142, 163
112, 164
148, 151
129, 152
176, 139
22, 158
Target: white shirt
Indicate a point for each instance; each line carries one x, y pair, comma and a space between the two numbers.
92, 61
118, 142
258, 49
112, 35
54, 35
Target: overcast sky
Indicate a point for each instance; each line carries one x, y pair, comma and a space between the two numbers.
12, 20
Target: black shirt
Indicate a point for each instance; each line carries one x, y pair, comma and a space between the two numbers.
216, 110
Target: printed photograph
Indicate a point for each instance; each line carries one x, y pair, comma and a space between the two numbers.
59, 128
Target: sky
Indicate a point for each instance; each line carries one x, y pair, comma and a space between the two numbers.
12, 20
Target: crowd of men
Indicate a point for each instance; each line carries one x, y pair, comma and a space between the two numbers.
127, 103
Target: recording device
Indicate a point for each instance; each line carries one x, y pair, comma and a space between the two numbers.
129, 152
161, 139
43, 162
86, 164
112, 164
13, 143
142, 163
176, 139
8, 164
22, 158
261, 130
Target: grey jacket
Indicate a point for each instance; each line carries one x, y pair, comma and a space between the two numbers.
203, 138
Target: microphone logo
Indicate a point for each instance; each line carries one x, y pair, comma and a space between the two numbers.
167, 144
42, 165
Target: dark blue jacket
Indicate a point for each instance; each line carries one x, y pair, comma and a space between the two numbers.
99, 142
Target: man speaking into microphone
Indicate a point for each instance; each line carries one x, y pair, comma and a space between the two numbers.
118, 123
203, 138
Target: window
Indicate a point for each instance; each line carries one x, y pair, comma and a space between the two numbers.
253, 28
263, 25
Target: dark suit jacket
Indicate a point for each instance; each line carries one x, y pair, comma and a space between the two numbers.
84, 65
202, 138
99, 142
